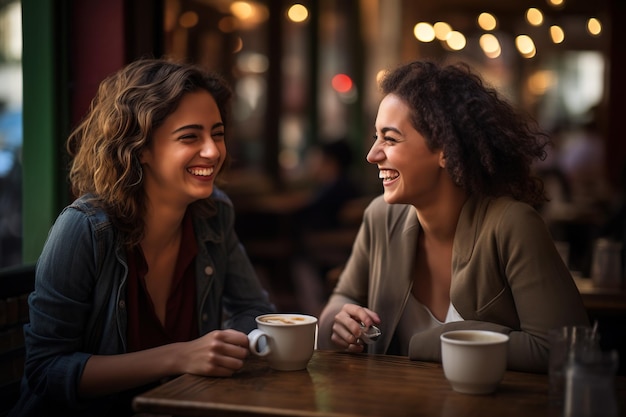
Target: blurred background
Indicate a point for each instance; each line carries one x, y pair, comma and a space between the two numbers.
305, 79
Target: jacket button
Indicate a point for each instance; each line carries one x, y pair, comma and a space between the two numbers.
205, 317
208, 270
122, 304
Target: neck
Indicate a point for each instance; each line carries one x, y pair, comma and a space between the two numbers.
439, 220
163, 226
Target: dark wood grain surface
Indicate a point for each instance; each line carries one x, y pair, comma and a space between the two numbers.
342, 384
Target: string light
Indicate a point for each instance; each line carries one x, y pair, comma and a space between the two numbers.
487, 21
594, 26
442, 29
297, 13
424, 32
490, 45
525, 46
556, 3
534, 16
557, 34
455, 40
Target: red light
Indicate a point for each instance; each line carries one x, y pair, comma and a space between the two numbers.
342, 83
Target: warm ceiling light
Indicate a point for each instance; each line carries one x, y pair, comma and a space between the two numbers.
456, 40
442, 29
188, 20
490, 45
489, 42
487, 21
424, 32
594, 26
297, 13
525, 46
541, 81
557, 34
249, 13
242, 10
534, 16
556, 3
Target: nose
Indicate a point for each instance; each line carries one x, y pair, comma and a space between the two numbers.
209, 149
375, 154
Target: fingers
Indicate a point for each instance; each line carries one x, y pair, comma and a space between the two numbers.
347, 326
230, 343
222, 365
361, 314
355, 346
219, 353
342, 336
232, 337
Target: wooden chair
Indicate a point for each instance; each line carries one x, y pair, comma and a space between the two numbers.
16, 283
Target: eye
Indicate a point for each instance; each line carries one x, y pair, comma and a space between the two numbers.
218, 135
390, 139
188, 137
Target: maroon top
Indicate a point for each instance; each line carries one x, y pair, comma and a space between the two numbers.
144, 327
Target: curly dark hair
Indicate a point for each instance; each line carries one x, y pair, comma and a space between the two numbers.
489, 147
128, 107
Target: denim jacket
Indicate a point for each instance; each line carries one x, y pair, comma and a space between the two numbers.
78, 307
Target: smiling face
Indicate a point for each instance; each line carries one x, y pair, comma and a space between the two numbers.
411, 172
186, 152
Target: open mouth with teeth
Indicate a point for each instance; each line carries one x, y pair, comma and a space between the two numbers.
388, 174
201, 172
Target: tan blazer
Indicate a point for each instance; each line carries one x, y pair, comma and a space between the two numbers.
507, 276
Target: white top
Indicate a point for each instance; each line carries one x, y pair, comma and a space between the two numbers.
417, 317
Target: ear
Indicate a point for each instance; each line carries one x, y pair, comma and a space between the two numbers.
142, 156
442, 159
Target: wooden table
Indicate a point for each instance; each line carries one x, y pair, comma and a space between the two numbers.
342, 384
599, 299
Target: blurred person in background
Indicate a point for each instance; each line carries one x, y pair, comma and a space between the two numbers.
334, 187
321, 221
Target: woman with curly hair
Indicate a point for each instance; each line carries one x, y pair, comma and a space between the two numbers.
455, 241
142, 277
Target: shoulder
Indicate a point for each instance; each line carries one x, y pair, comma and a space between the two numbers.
505, 216
506, 210
224, 209
221, 198
86, 210
82, 230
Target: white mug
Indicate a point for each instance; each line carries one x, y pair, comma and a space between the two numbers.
474, 361
287, 340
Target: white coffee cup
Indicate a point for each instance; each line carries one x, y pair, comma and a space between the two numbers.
287, 340
474, 361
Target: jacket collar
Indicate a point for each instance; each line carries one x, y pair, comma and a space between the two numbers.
467, 229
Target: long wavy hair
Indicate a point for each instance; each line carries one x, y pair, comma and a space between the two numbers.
489, 146
128, 107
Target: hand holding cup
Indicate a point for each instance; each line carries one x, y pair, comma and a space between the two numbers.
286, 340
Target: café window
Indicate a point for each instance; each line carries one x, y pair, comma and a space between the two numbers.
287, 62
10, 133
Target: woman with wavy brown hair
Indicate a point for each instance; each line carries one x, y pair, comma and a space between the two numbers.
454, 242
142, 276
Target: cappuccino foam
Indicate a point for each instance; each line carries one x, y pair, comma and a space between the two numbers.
283, 320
